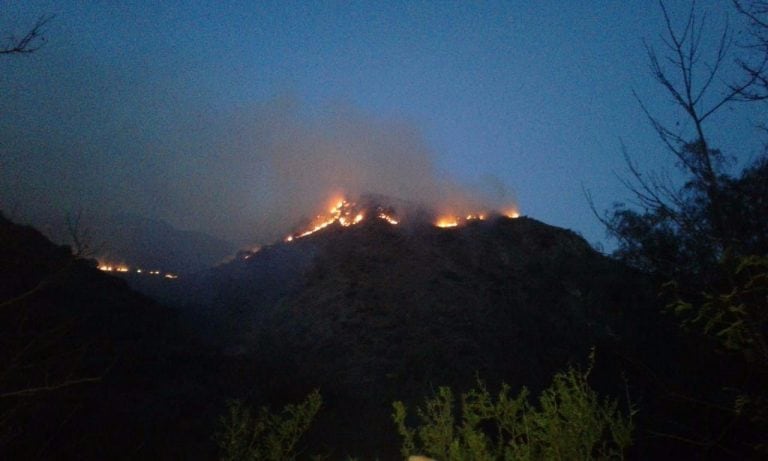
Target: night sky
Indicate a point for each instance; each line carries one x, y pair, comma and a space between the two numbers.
236, 118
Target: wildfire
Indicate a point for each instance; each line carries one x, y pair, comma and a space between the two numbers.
347, 213
343, 212
126, 269
388, 219
447, 221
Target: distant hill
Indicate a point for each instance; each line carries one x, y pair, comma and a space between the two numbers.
138, 241
150, 243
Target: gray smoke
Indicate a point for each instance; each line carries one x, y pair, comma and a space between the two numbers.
278, 165
247, 175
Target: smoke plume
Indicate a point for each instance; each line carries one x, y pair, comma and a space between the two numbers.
247, 175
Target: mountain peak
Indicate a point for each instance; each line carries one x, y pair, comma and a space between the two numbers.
346, 212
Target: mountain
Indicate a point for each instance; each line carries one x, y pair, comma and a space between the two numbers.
150, 243
376, 312
365, 310
140, 242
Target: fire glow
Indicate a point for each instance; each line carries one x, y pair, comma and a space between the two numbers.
105, 267
343, 212
448, 221
388, 218
347, 214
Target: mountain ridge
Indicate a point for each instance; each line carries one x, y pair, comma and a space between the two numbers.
377, 312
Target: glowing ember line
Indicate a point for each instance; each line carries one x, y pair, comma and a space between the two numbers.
388, 219
447, 221
341, 213
138, 270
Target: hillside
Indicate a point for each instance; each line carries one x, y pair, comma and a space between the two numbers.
378, 312
139, 242
90, 369
368, 314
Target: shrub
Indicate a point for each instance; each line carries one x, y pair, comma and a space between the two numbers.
570, 422
267, 436
735, 314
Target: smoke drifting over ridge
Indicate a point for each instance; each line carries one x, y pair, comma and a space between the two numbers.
246, 175
306, 161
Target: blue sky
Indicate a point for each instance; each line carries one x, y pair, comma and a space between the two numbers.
128, 96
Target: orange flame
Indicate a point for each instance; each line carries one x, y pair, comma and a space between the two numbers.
108, 267
388, 219
447, 221
341, 212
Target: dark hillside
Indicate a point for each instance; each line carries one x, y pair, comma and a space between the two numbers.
368, 314
90, 369
375, 312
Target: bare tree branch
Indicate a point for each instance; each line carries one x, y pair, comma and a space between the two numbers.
49, 387
756, 12
29, 43
80, 236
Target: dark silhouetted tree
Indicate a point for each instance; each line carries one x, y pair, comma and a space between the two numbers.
708, 239
681, 232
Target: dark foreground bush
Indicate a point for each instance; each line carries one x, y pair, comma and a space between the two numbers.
569, 422
267, 436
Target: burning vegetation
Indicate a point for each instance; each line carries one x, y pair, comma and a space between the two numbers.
344, 212
347, 213
455, 221
106, 267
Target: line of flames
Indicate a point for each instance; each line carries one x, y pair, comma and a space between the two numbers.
447, 221
342, 212
126, 269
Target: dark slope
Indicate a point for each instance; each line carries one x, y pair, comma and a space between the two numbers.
376, 312
90, 369
139, 241
155, 244
439, 303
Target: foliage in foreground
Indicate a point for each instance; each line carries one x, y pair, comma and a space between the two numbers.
736, 316
570, 422
267, 436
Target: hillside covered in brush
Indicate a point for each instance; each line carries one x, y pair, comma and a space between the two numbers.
377, 311
369, 313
